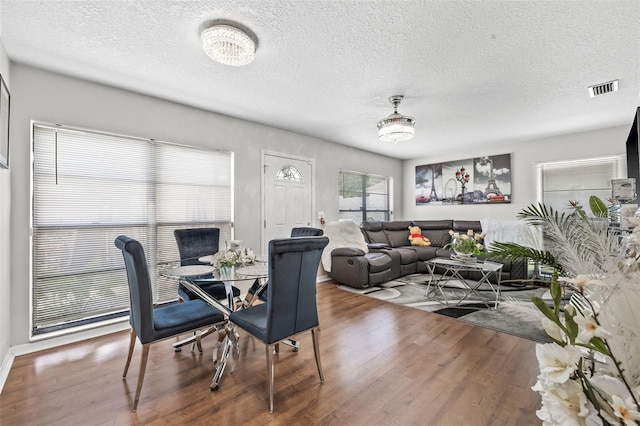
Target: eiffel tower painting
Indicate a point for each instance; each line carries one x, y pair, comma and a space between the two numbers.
433, 195
492, 192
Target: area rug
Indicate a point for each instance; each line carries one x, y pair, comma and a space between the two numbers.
515, 315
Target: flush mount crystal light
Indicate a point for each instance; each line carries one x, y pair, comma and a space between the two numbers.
396, 127
228, 45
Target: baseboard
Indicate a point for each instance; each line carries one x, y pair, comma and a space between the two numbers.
68, 338
322, 278
7, 362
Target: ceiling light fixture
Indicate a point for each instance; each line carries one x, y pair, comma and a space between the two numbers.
228, 45
396, 127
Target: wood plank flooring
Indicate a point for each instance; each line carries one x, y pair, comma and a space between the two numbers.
384, 364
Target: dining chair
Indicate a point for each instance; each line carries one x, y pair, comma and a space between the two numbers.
149, 323
295, 232
291, 303
194, 243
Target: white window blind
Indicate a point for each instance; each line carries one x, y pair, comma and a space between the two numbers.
364, 197
578, 180
88, 188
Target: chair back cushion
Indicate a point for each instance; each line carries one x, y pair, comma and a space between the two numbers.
306, 232
291, 301
140, 295
196, 242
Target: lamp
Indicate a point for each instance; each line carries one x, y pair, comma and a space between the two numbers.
228, 45
396, 127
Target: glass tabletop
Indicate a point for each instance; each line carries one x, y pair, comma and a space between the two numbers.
175, 270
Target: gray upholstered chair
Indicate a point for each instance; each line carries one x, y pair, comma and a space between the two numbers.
194, 243
150, 324
291, 303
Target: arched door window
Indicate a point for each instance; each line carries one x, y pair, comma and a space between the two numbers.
289, 173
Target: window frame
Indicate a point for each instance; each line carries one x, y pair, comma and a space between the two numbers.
157, 224
388, 213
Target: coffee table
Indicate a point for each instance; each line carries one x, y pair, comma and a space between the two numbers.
453, 269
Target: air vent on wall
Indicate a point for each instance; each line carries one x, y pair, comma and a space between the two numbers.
603, 88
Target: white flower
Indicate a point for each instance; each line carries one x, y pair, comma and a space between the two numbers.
552, 329
464, 237
470, 232
479, 246
563, 404
557, 363
625, 409
581, 281
588, 328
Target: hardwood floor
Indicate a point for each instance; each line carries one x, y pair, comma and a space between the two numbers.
384, 364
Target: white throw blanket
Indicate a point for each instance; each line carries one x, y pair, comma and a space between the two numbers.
345, 233
511, 231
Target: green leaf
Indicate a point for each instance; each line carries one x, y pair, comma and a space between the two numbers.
571, 326
598, 208
556, 292
545, 309
600, 345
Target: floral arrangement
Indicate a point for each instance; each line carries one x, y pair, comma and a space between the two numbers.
228, 258
590, 373
469, 243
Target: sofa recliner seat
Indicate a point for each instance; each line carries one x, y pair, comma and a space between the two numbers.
391, 254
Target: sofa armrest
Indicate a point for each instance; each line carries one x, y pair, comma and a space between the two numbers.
349, 266
378, 246
347, 251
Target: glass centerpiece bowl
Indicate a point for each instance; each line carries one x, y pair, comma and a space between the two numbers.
465, 246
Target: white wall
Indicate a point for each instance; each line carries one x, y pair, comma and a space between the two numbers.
5, 261
48, 97
524, 157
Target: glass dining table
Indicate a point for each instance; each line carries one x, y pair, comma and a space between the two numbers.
193, 276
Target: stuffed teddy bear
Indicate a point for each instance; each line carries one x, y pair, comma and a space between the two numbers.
416, 237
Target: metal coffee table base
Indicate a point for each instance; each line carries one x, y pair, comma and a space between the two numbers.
452, 271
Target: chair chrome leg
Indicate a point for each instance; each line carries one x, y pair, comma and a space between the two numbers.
271, 373
315, 334
143, 367
132, 343
198, 334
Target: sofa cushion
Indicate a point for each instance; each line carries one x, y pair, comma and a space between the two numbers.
438, 237
397, 232
407, 255
373, 232
434, 224
425, 253
463, 226
378, 262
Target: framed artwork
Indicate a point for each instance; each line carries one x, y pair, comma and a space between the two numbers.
627, 211
623, 189
481, 180
4, 124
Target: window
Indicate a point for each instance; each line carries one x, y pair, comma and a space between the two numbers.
88, 188
578, 180
364, 197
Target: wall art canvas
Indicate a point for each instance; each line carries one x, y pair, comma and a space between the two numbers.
481, 180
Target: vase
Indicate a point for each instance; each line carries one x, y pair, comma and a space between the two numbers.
226, 272
463, 247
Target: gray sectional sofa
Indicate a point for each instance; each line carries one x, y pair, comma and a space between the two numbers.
391, 255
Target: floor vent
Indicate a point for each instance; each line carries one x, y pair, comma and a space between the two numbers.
603, 88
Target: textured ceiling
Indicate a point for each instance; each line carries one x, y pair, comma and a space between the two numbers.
472, 72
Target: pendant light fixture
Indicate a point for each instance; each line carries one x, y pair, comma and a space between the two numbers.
396, 127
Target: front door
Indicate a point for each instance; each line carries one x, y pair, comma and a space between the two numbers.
287, 195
